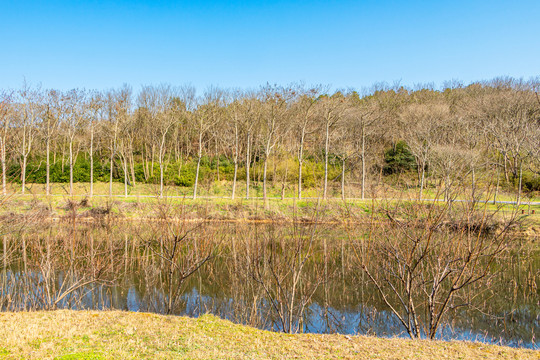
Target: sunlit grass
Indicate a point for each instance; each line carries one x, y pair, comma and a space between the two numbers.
142, 198
121, 335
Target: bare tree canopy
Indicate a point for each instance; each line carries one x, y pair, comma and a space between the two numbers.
302, 137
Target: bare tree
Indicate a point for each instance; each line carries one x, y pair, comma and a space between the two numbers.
421, 261
54, 111
250, 120
126, 137
508, 118
74, 116
305, 107
96, 114
486, 125
364, 116
282, 274
30, 112
421, 124
179, 251
159, 104
110, 129
331, 111
207, 115
5, 120
233, 124
273, 124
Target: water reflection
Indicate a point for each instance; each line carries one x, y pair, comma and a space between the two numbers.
124, 267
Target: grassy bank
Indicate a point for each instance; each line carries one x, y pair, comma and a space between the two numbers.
220, 208
122, 335
223, 189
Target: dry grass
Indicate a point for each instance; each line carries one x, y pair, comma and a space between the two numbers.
122, 335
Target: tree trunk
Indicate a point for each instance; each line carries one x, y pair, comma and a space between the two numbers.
4, 189
422, 176
132, 164
71, 168
111, 174
152, 162
498, 181
91, 162
23, 173
48, 167
447, 187
235, 159
300, 164
196, 178
145, 163
248, 163
265, 169
283, 184
199, 155
160, 177
63, 157
343, 179
363, 163
520, 182
473, 174
274, 171
326, 145
217, 162
126, 180
506, 168
234, 177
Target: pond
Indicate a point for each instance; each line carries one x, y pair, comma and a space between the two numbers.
275, 276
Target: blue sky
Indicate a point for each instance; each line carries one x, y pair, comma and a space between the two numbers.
103, 44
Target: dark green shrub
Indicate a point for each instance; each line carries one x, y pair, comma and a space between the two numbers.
530, 181
398, 159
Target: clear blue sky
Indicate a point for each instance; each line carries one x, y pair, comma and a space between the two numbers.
103, 44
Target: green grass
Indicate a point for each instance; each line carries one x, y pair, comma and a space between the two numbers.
143, 199
123, 335
224, 189
82, 356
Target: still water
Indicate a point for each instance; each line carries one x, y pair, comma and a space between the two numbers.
299, 278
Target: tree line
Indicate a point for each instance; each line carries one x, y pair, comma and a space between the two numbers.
298, 136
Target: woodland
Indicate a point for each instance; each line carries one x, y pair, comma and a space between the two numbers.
293, 137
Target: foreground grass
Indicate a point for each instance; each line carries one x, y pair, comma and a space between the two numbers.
122, 335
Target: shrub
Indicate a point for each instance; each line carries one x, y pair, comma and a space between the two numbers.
398, 158
531, 181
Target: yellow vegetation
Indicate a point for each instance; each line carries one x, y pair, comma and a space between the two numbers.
123, 335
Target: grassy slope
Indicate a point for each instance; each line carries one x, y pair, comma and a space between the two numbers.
142, 200
120, 335
223, 189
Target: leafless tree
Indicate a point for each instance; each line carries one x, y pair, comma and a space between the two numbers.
208, 114
281, 274
332, 110
421, 259
73, 121
5, 120
30, 111
158, 102
421, 125
273, 122
305, 107
364, 115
